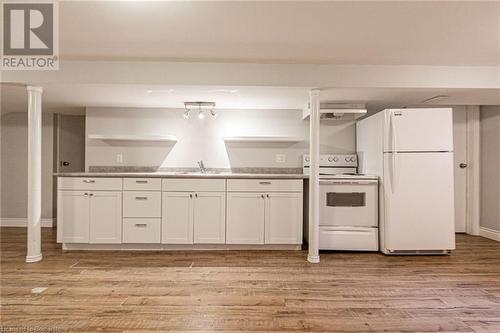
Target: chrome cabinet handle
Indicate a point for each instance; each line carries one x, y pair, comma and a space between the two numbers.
191, 196
196, 195
262, 196
267, 195
89, 181
141, 181
141, 225
85, 194
141, 198
265, 183
91, 194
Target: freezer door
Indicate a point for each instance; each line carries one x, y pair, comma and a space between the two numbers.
418, 130
418, 201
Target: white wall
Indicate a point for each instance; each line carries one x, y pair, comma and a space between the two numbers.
14, 164
202, 138
490, 167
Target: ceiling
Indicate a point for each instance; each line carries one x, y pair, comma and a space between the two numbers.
450, 33
65, 98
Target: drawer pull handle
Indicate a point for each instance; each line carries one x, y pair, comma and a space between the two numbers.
89, 181
262, 196
141, 198
142, 225
265, 183
267, 195
141, 181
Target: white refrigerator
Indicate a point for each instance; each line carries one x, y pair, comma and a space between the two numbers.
411, 150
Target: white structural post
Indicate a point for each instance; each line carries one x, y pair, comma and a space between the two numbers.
313, 255
34, 253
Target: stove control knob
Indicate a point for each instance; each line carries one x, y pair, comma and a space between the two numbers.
307, 159
353, 159
330, 159
335, 159
347, 159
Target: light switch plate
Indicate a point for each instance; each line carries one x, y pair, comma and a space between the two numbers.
280, 158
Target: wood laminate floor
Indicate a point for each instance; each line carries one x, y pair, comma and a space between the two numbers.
248, 290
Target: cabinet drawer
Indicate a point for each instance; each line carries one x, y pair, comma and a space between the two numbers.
141, 184
348, 238
194, 185
264, 185
89, 183
141, 204
141, 230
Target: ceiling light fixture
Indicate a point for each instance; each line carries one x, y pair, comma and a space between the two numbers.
201, 106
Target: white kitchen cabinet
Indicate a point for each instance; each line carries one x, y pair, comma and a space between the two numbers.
264, 211
209, 217
193, 217
73, 215
90, 217
283, 223
177, 218
245, 218
105, 217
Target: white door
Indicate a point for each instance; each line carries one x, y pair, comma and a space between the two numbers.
73, 217
283, 224
177, 218
209, 218
245, 218
419, 201
419, 130
460, 159
105, 217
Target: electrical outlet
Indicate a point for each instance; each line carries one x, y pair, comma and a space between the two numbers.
280, 158
119, 158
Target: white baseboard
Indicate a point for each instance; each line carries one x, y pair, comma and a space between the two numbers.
489, 233
22, 222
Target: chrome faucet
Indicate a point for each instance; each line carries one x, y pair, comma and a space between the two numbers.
202, 166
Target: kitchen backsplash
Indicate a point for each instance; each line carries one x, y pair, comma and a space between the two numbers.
202, 139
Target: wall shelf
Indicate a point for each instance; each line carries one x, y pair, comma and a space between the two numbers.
130, 137
290, 139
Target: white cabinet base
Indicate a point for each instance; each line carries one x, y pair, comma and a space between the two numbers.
177, 247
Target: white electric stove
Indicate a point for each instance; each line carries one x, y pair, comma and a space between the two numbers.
348, 217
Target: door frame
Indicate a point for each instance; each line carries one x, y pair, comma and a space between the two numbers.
473, 150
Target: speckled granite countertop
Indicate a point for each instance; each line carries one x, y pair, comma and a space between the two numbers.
183, 175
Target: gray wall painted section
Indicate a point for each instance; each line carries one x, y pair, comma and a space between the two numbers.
490, 167
14, 164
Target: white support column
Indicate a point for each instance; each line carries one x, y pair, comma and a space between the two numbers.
313, 255
34, 253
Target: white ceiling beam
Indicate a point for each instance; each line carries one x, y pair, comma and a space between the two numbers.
278, 75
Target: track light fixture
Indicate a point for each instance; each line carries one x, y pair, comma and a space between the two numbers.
202, 106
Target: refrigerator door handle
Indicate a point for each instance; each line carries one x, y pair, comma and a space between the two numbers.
393, 155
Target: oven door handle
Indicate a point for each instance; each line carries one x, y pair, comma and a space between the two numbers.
348, 182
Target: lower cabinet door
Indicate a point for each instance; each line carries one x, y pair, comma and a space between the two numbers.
105, 217
141, 230
209, 218
177, 218
73, 217
283, 218
245, 218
